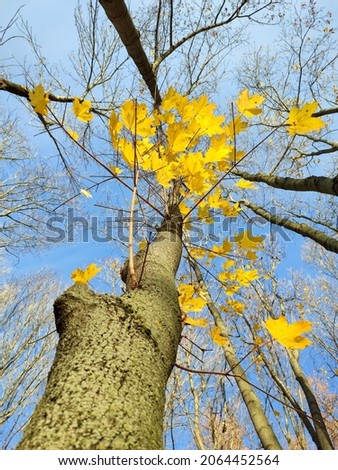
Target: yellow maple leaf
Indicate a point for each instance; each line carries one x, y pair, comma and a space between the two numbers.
301, 121
201, 112
173, 99
197, 252
229, 209
39, 100
246, 277
245, 184
289, 334
236, 126
136, 119
178, 137
82, 110
83, 276
200, 322
216, 336
246, 240
248, 106
115, 127
187, 301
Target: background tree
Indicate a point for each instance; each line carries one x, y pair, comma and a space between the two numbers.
110, 358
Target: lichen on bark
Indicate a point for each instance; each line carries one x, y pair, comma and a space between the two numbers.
106, 388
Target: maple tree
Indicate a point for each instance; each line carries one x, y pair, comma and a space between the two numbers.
185, 160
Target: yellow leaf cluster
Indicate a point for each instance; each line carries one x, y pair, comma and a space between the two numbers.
39, 100
183, 137
289, 334
187, 301
300, 120
82, 110
223, 249
248, 106
84, 276
247, 241
234, 280
234, 305
136, 119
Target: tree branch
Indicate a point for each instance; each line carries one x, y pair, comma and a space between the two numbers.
329, 243
118, 14
21, 90
319, 184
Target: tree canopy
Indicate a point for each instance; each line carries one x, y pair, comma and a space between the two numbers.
177, 148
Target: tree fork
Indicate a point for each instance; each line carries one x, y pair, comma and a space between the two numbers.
106, 388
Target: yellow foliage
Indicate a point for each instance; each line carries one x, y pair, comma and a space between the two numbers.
197, 252
83, 276
234, 305
173, 99
247, 241
200, 322
249, 106
229, 209
301, 121
245, 184
289, 334
115, 127
222, 249
216, 336
39, 100
114, 169
187, 301
236, 126
136, 119
82, 110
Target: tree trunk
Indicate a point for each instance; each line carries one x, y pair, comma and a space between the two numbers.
252, 402
106, 388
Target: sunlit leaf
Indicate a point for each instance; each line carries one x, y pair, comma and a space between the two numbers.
200, 322
216, 336
39, 100
186, 298
248, 241
114, 169
73, 134
289, 334
115, 127
301, 121
245, 184
83, 276
82, 110
136, 118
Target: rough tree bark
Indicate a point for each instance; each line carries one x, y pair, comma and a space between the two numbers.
106, 388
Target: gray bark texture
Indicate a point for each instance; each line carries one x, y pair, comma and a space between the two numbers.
106, 388
118, 13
